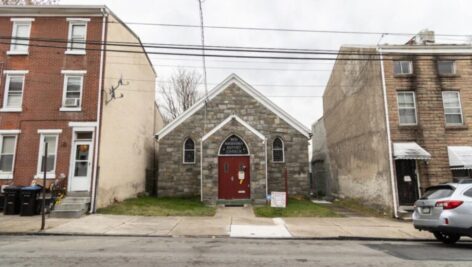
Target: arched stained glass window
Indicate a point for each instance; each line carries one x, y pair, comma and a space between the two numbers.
278, 150
189, 151
233, 145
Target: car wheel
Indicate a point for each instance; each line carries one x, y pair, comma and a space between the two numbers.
447, 238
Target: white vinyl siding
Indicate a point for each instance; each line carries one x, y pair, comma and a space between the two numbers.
406, 108
452, 108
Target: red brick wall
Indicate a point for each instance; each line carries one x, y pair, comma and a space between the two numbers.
431, 132
43, 89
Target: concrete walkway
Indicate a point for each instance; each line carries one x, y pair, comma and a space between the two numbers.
228, 222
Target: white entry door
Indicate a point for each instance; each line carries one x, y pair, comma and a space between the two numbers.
81, 166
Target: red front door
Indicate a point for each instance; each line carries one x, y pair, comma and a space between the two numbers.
233, 177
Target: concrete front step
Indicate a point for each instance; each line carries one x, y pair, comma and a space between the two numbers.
75, 200
71, 207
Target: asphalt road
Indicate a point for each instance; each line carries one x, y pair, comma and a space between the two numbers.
143, 251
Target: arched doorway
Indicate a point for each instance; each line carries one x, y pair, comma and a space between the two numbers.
234, 169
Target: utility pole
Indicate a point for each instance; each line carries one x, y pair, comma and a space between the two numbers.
43, 201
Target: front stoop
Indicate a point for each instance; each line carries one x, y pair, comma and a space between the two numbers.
233, 202
72, 206
405, 212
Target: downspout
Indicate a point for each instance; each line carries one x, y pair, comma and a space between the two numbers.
201, 170
389, 138
266, 175
99, 112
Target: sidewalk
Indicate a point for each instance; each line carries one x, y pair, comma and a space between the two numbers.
228, 222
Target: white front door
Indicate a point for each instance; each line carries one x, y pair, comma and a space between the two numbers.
81, 166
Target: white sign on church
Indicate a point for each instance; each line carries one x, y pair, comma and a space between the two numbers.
278, 199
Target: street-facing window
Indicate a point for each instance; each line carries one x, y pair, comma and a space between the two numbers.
402, 67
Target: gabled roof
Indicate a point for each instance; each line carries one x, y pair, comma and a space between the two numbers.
234, 79
238, 119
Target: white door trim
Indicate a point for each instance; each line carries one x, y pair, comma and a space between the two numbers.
74, 142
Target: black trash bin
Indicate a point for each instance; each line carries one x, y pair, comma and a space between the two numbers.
30, 204
12, 200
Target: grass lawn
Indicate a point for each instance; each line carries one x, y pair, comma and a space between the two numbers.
296, 208
358, 207
165, 206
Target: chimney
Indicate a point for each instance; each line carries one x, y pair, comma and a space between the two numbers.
424, 37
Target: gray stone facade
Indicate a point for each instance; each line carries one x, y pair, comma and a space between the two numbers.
176, 178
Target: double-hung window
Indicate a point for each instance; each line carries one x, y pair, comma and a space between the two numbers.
446, 67
13, 94
47, 161
7, 152
452, 107
402, 67
20, 36
406, 107
77, 36
72, 91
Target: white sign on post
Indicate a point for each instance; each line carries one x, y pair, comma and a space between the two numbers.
278, 199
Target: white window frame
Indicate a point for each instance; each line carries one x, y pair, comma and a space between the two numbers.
9, 74
16, 22
43, 133
72, 22
14, 133
67, 74
414, 103
194, 151
460, 108
410, 64
453, 67
283, 150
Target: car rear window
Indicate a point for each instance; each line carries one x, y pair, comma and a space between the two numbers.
468, 193
438, 192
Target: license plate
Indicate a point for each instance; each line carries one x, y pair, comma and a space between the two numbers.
425, 210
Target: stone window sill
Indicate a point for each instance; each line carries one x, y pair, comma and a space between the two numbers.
457, 127
449, 75
410, 75
408, 127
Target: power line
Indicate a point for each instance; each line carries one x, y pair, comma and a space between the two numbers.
359, 57
287, 29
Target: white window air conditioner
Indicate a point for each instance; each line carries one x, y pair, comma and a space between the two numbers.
72, 102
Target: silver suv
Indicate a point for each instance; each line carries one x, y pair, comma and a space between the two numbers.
446, 211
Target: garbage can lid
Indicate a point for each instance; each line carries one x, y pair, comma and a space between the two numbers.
12, 187
31, 188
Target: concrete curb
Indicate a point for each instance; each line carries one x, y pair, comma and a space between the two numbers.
339, 238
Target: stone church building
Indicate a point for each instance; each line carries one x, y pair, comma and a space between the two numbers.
234, 145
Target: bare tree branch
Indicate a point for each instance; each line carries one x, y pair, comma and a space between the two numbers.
179, 93
27, 2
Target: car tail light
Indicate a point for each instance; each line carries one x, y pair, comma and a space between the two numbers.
449, 204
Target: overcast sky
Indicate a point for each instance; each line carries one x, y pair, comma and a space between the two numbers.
293, 78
